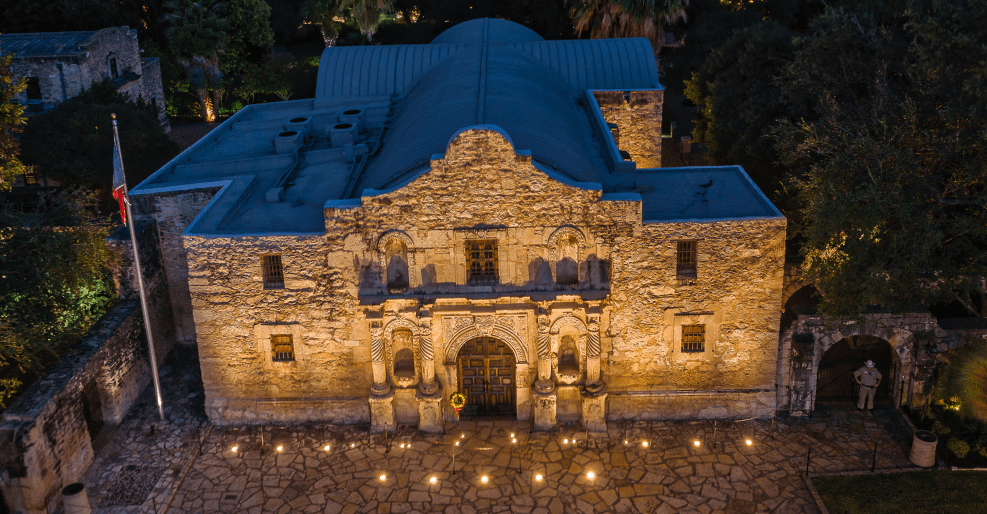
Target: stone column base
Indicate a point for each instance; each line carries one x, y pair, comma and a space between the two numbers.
381, 412
595, 407
545, 408
430, 412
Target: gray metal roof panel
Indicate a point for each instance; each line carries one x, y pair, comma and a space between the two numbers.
40, 44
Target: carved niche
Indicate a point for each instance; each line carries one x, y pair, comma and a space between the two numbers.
402, 352
569, 336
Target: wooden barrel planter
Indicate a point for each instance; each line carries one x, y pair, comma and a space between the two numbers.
924, 449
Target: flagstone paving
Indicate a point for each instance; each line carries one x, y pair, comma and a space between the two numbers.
637, 467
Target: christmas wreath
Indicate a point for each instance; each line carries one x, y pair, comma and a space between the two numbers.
457, 401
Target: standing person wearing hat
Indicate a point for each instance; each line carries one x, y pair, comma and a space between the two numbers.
869, 378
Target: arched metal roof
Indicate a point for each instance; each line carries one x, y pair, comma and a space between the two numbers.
488, 31
367, 71
491, 85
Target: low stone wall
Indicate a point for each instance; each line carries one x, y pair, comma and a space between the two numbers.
45, 436
45, 440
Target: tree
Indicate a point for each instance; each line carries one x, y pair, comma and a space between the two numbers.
627, 18
11, 119
248, 33
738, 98
54, 284
327, 14
72, 143
277, 76
196, 37
330, 15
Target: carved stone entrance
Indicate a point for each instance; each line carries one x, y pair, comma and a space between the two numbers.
487, 377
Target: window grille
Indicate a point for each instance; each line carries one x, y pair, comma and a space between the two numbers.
282, 348
685, 259
693, 338
481, 261
273, 272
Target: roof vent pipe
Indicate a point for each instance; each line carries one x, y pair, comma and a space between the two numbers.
342, 134
300, 125
287, 141
358, 117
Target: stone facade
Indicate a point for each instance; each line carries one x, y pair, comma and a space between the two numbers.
621, 316
60, 65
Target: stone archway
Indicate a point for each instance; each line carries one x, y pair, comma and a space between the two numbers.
834, 377
487, 373
809, 337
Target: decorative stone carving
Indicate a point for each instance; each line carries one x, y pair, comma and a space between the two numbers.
380, 386
405, 376
428, 385
382, 412
509, 328
566, 231
593, 355
544, 383
430, 413
595, 409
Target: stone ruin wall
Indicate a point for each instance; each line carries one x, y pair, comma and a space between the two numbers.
80, 70
44, 440
639, 121
739, 282
334, 282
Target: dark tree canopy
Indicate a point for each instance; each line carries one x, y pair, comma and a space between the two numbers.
73, 143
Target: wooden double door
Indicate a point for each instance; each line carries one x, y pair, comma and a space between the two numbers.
486, 377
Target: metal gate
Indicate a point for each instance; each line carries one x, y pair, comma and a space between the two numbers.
486, 378
92, 409
835, 381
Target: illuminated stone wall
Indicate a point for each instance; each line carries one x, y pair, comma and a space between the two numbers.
625, 300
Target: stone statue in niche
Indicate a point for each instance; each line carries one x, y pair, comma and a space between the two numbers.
404, 359
568, 361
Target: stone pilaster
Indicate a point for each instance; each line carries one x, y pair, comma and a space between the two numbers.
430, 418
382, 412
595, 407
545, 408
544, 383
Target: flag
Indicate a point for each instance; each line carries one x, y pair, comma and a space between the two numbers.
119, 181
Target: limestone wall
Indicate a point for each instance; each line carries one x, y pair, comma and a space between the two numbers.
337, 303
173, 212
637, 115
44, 440
736, 295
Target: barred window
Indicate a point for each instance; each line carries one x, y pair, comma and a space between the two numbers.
685, 259
282, 348
31, 178
693, 338
273, 272
481, 261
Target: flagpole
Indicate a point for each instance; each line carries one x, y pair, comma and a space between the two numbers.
139, 270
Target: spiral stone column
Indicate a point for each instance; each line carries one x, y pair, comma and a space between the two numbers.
545, 398
429, 395
595, 391
381, 396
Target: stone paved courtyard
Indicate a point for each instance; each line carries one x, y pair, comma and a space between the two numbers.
637, 467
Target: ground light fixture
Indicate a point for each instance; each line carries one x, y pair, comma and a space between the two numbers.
457, 443
749, 442
383, 477
565, 441
484, 479
590, 475
539, 477
352, 445
280, 448
644, 444
514, 440
696, 443
327, 447
433, 480
234, 449
512, 435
